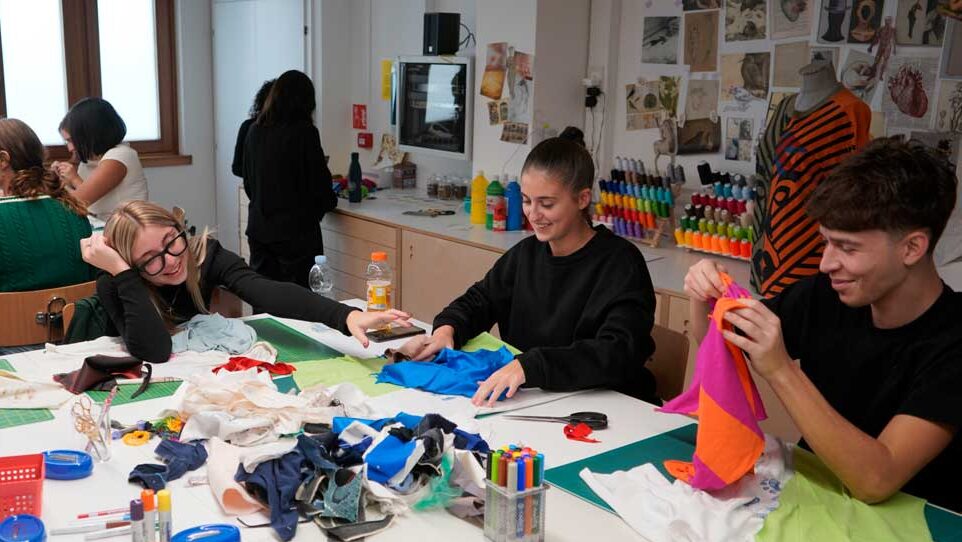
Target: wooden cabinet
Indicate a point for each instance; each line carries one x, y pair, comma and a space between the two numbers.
434, 271
348, 244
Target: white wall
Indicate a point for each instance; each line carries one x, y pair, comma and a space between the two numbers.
192, 187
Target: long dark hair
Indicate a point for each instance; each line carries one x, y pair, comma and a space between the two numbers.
291, 99
261, 97
31, 179
567, 161
94, 126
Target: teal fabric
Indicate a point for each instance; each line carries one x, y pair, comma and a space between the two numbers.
40, 245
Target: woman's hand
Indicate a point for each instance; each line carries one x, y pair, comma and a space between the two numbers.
358, 322
704, 282
67, 172
98, 253
510, 378
424, 348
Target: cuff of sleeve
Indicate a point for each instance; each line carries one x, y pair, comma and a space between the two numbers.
126, 278
533, 366
458, 339
345, 311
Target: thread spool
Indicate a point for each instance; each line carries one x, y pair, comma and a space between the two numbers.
746, 249
689, 238
696, 240
723, 245
714, 244
679, 236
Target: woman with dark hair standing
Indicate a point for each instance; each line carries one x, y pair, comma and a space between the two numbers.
288, 183
237, 166
576, 299
109, 171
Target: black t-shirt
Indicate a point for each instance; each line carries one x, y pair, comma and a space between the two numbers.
869, 375
582, 320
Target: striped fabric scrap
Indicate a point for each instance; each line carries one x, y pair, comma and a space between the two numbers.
725, 400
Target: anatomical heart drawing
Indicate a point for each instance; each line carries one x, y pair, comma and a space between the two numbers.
909, 92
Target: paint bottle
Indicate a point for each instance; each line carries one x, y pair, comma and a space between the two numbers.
479, 188
494, 198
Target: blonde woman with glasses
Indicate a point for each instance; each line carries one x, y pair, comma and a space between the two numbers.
156, 277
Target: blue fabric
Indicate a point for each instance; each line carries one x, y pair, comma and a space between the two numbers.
149, 476
451, 373
276, 482
206, 332
181, 457
388, 458
463, 440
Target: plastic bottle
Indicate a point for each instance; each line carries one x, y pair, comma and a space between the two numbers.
479, 188
515, 213
354, 179
495, 197
380, 282
320, 279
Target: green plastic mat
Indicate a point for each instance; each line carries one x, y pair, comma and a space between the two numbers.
154, 391
680, 443
487, 341
12, 417
292, 345
329, 372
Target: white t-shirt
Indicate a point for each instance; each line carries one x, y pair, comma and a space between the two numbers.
133, 186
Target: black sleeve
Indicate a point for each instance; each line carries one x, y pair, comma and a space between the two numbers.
237, 166
934, 392
476, 311
319, 174
284, 299
127, 301
618, 351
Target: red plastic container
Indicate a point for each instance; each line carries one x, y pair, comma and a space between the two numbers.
21, 485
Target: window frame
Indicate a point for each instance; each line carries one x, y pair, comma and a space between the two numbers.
81, 38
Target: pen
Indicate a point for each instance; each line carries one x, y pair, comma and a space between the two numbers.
89, 527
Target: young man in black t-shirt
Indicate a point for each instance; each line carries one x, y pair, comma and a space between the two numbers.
877, 387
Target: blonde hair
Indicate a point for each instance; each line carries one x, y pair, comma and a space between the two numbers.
30, 178
125, 224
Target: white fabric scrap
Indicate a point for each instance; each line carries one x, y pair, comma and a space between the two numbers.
222, 464
18, 392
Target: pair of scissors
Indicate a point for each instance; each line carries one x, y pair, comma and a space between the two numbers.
594, 420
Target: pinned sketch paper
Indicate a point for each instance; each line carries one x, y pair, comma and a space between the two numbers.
699, 136
514, 132
745, 20
952, 55
948, 117
643, 105
824, 53
387, 65
701, 41
668, 92
495, 68
908, 99
833, 21
745, 76
791, 18
389, 154
659, 44
944, 143
858, 75
520, 80
693, 5
920, 23
739, 139
865, 21
789, 57
702, 99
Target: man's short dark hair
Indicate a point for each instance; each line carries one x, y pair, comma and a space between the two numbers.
891, 185
94, 126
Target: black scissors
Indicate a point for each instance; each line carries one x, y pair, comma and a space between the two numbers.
594, 420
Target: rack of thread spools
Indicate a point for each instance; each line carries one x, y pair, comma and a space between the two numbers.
639, 204
719, 219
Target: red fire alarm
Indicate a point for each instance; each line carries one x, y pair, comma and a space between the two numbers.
359, 116
365, 140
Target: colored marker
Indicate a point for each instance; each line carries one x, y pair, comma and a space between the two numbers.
163, 515
101, 513
150, 515
136, 521
109, 533
89, 527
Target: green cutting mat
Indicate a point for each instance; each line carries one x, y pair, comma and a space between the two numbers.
329, 372
680, 443
292, 345
154, 391
12, 417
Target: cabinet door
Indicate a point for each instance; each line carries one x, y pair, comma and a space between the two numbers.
348, 244
435, 271
678, 314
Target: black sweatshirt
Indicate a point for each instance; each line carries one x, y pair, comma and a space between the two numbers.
237, 165
287, 180
126, 299
582, 320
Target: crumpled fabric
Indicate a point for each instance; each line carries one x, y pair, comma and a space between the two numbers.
452, 372
661, 510
724, 398
234, 500
241, 363
18, 392
245, 408
275, 482
206, 332
181, 457
149, 476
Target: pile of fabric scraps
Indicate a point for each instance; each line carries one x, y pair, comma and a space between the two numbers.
167, 428
214, 332
242, 363
333, 475
452, 372
245, 408
660, 510
178, 458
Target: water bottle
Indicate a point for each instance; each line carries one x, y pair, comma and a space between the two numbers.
321, 280
380, 282
354, 179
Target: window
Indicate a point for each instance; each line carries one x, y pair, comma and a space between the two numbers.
55, 52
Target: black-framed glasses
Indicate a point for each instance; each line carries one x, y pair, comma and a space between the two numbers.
156, 263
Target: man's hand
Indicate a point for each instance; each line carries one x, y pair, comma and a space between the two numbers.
763, 340
510, 378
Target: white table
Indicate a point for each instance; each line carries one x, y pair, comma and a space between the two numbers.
568, 518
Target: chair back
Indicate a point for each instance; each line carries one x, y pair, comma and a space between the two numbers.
669, 362
37, 316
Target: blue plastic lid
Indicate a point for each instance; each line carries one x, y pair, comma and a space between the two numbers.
23, 528
320, 259
217, 532
67, 464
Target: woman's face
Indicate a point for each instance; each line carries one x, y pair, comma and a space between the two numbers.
553, 210
160, 252
69, 141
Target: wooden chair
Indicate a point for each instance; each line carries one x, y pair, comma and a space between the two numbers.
669, 362
37, 316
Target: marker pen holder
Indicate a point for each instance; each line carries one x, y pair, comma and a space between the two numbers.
511, 516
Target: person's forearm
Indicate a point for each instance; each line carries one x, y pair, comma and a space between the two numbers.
698, 319
864, 464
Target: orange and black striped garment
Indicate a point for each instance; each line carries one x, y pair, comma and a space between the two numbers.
789, 245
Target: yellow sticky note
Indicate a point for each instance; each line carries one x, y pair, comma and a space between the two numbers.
386, 66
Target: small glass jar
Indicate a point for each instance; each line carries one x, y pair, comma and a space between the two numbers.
433, 186
445, 189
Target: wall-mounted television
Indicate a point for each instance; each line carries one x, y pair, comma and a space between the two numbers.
433, 105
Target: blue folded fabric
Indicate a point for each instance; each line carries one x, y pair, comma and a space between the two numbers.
181, 457
149, 476
451, 373
276, 481
388, 458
